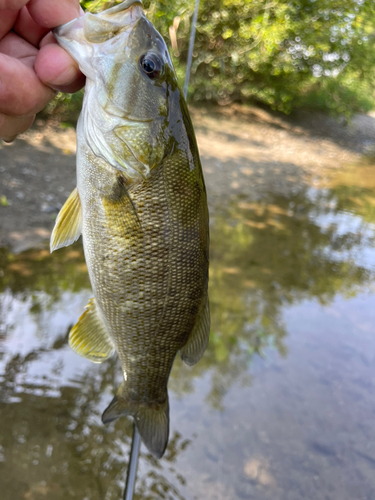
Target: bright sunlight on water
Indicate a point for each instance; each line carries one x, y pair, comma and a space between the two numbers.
280, 407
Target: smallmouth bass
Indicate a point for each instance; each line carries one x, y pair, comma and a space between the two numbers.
141, 207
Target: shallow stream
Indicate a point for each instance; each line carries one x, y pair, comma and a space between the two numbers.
280, 407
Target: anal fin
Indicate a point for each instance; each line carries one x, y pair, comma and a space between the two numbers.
89, 337
193, 350
68, 225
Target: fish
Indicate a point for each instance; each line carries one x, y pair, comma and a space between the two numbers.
141, 207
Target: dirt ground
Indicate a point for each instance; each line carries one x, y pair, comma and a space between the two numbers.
245, 152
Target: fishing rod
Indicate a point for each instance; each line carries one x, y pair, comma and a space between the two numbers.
133, 464
136, 439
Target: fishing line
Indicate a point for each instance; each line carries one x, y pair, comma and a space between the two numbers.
191, 48
136, 439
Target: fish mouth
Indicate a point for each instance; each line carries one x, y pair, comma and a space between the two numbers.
63, 29
112, 110
138, 120
126, 5
114, 20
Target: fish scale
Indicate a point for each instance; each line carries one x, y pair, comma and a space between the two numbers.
141, 206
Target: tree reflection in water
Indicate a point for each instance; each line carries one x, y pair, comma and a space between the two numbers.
271, 254
265, 255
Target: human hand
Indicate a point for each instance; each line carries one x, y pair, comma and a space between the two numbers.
31, 62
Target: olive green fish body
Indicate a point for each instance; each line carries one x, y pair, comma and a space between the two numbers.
146, 251
140, 205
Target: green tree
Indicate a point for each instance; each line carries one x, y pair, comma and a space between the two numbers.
285, 54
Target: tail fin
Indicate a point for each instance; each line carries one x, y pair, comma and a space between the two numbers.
153, 426
152, 420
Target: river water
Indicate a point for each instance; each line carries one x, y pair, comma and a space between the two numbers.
282, 404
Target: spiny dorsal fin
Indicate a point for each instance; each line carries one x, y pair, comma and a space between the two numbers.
151, 419
193, 350
89, 337
68, 226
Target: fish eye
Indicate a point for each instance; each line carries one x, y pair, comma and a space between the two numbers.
151, 65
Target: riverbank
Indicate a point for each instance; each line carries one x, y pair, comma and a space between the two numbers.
245, 152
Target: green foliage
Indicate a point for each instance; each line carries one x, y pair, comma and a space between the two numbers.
66, 107
285, 54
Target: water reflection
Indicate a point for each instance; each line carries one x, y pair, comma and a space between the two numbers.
267, 255
273, 253
51, 400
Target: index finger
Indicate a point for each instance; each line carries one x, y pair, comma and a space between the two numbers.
52, 14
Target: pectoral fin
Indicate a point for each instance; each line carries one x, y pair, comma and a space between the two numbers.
68, 226
193, 350
120, 211
89, 337
151, 419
